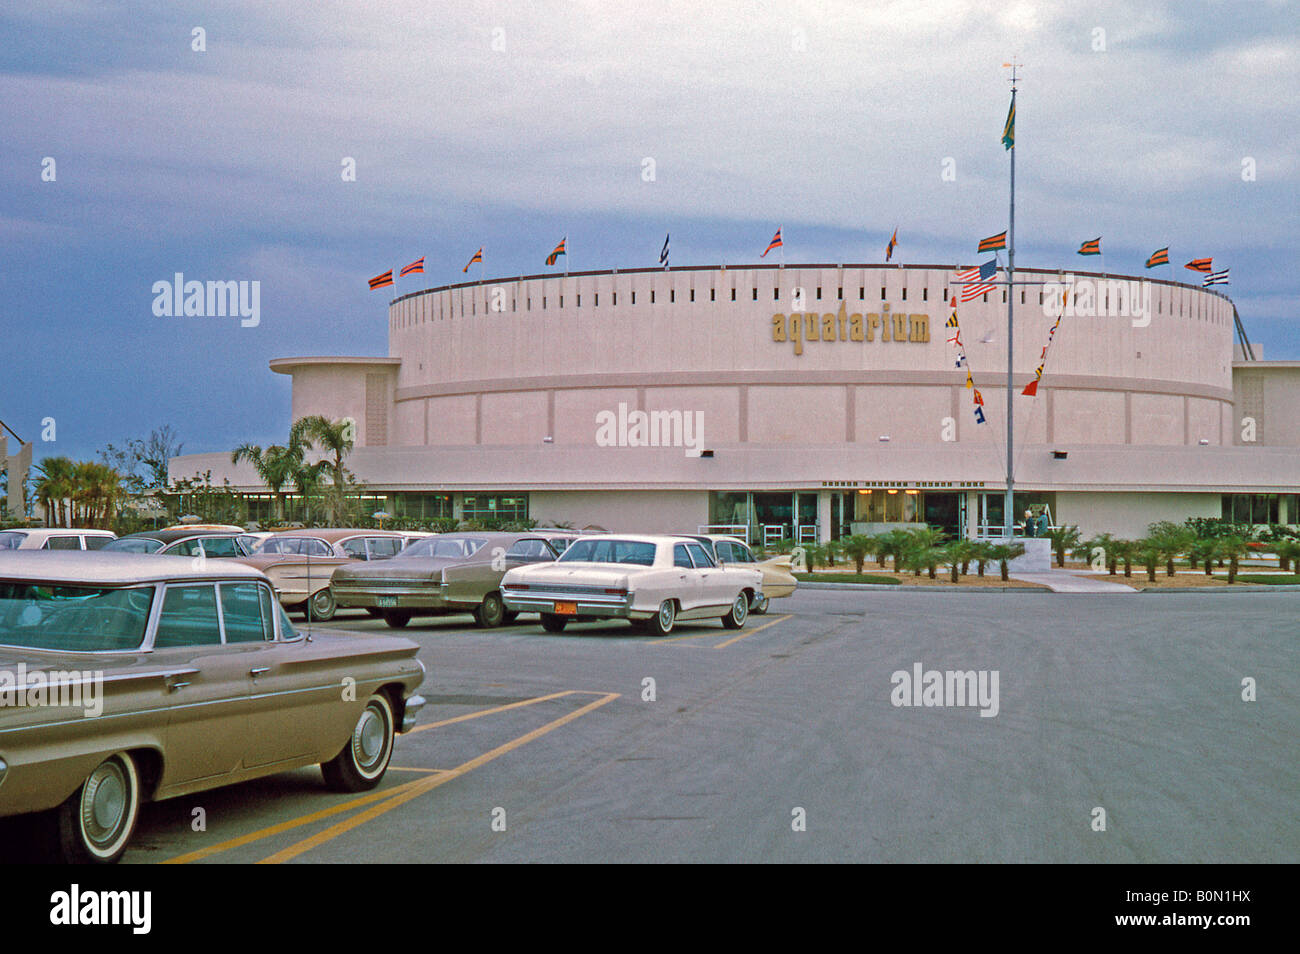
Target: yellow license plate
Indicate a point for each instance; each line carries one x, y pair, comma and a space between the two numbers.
566, 609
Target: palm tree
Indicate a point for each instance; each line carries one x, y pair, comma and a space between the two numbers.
895, 543
1125, 551
982, 554
961, 552
924, 551
1204, 551
1286, 551
276, 466
1063, 538
1232, 547
857, 548
334, 437
1150, 551
1004, 553
54, 487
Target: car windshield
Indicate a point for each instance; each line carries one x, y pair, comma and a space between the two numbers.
73, 618
11, 539
134, 545
311, 546
636, 552
442, 547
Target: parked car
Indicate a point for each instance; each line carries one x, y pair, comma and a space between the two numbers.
183, 542
55, 538
650, 580
167, 677
299, 563
778, 577
451, 573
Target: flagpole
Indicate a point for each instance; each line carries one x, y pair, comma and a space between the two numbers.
1008, 513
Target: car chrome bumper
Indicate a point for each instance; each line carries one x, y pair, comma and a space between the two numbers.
592, 606
412, 708
392, 597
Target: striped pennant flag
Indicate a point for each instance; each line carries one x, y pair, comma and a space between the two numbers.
775, 243
557, 252
415, 266
1216, 278
477, 259
993, 243
977, 285
1091, 248
1199, 264
379, 281
893, 244
1159, 257
663, 255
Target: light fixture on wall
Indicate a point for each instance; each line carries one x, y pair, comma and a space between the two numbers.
548, 439
1060, 455
1204, 441
884, 438
912, 493
891, 491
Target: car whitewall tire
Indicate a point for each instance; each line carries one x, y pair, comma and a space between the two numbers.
97, 821
361, 765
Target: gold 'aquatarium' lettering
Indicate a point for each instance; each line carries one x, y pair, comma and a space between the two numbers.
802, 327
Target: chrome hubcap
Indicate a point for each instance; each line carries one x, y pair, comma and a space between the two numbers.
103, 803
369, 738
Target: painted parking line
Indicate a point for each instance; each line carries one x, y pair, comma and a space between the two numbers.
713, 634
495, 709
427, 784
407, 790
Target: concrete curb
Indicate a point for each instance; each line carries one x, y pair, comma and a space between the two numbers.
892, 587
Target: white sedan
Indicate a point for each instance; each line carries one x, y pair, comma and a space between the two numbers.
649, 580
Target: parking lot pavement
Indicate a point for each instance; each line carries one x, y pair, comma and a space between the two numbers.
783, 742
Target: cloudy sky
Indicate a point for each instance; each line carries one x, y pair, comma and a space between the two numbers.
512, 124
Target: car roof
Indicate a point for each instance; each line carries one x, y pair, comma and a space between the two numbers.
171, 536
335, 534
643, 537
60, 531
113, 569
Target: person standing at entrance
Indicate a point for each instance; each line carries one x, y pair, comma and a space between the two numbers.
1029, 523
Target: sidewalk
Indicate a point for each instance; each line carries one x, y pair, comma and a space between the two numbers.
1071, 581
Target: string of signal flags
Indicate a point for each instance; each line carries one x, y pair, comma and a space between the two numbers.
993, 243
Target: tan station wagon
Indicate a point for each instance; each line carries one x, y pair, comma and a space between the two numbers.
131, 678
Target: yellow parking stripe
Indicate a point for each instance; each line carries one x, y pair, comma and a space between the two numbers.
383, 794
495, 709
432, 782
750, 632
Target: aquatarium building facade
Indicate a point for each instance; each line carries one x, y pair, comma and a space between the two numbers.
806, 400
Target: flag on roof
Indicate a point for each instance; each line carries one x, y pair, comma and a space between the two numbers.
478, 257
1199, 264
415, 266
775, 243
663, 255
557, 252
1159, 257
379, 281
893, 244
993, 243
1092, 247
1216, 278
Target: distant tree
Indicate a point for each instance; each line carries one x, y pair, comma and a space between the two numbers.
1063, 538
857, 548
276, 466
1004, 553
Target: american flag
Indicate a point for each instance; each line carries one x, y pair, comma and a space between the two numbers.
971, 292
1216, 278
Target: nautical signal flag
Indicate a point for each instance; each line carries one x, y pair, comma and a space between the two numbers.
663, 255
993, 243
977, 397
557, 252
415, 266
1199, 264
477, 258
1159, 257
1009, 130
970, 384
379, 281
893, 244
1216, 278
1091, 248
979, 415
952, 322
1031, 389
775, 243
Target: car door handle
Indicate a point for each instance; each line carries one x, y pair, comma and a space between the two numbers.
259, 670
173, 686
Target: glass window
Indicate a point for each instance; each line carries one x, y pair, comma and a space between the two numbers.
443, 547
190, 547
11, 539
636, 552
97, 543
381, 548
134, 545
189, 617
681, 557
62, 543
530, 550
245, 607
702, 559
73, 618
355, 548
222, 547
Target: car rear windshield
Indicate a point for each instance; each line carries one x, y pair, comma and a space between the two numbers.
134, 545
443, 547
11, 539
636, 552
73, 618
